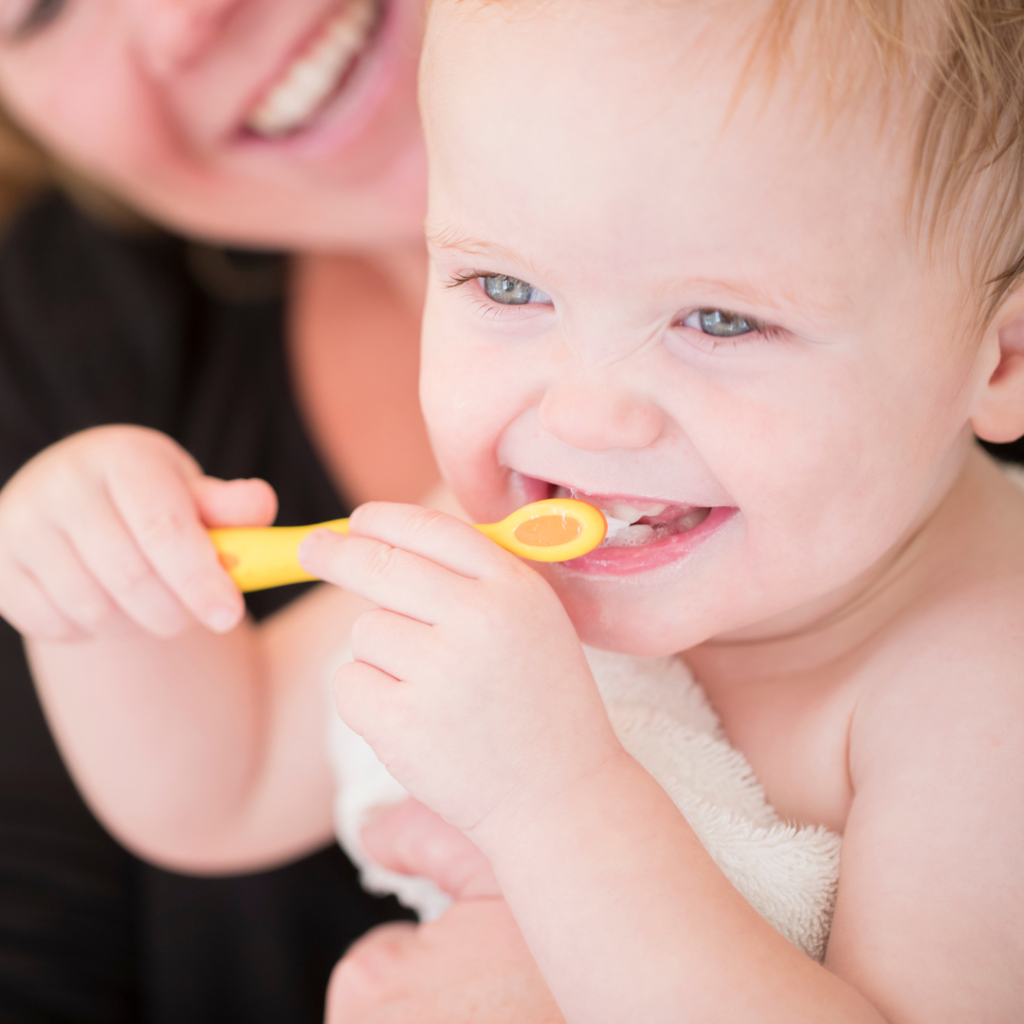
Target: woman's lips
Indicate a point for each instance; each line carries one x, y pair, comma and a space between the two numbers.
643, 533
317, 73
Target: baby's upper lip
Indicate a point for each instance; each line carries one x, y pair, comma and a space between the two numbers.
632, 506
537, 487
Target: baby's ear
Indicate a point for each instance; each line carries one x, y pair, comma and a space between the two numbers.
998, 413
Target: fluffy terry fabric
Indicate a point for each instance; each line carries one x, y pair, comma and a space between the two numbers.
788, 873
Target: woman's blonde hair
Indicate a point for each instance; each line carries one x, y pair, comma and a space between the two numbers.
25, 168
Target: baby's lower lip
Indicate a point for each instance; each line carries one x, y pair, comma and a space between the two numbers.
635, 559
665, 531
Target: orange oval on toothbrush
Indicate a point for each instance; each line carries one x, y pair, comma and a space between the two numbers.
546, 531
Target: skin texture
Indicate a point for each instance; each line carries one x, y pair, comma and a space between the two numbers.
855, 622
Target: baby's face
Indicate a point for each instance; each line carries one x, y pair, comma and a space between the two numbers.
708, 317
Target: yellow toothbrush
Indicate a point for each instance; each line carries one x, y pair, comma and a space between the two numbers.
258, 557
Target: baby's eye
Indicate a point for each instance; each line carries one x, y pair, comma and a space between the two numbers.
511, 291
721, 324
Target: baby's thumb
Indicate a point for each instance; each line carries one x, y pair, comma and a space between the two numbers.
234, 502
412, 840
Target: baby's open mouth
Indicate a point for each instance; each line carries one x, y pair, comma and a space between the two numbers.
634, 522
318, 73
644, 533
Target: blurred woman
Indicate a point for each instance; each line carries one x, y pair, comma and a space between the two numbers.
246, 128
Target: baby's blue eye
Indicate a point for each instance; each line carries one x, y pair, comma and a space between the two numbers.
511, 291
721, 324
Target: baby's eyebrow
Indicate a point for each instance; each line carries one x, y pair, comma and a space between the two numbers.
744, 293
448, 239
747, 292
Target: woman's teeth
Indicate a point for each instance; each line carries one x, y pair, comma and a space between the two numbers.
316, 72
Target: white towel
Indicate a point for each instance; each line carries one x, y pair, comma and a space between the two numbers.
787, 872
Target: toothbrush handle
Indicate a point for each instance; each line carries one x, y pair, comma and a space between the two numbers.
259, 557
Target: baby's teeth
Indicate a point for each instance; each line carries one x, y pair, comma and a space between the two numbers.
630, 514
692, 519
615, 526
634, 535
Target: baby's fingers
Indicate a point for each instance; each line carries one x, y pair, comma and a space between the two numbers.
391, 577
413, 840
369, 702
161, 517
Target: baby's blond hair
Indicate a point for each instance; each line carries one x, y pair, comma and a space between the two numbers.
966, 58
963, 63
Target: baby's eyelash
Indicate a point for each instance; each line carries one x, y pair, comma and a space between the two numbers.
459, 279
719, 327
769, 331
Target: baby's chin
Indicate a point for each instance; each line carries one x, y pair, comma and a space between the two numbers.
619, 625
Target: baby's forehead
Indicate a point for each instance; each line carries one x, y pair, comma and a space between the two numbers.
569, 118
609, 74
930, 91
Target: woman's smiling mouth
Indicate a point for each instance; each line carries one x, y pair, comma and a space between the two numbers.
317, 73
643, 533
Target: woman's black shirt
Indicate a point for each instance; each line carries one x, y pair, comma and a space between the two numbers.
99, 328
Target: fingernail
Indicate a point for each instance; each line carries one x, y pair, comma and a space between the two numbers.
222, 619
311, 547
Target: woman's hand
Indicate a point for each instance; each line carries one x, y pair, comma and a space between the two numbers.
104, 535
469, 967
470, 653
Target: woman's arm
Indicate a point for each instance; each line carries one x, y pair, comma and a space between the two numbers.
204, 752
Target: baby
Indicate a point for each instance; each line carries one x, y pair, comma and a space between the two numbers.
745, 274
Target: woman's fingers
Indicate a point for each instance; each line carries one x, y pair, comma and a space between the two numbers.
70, 586
114, 559
25, 604
160, 514
234, 502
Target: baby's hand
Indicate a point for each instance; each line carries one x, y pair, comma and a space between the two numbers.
104, 534
413, 840
469, 681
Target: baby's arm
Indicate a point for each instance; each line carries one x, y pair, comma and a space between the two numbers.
196, 736
625, 912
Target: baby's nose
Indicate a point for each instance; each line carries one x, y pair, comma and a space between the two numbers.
595, 417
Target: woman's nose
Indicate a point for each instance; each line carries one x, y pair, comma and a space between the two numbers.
599, 418
172, 34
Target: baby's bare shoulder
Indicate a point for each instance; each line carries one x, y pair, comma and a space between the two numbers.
952, 669
931, 854
962, 637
